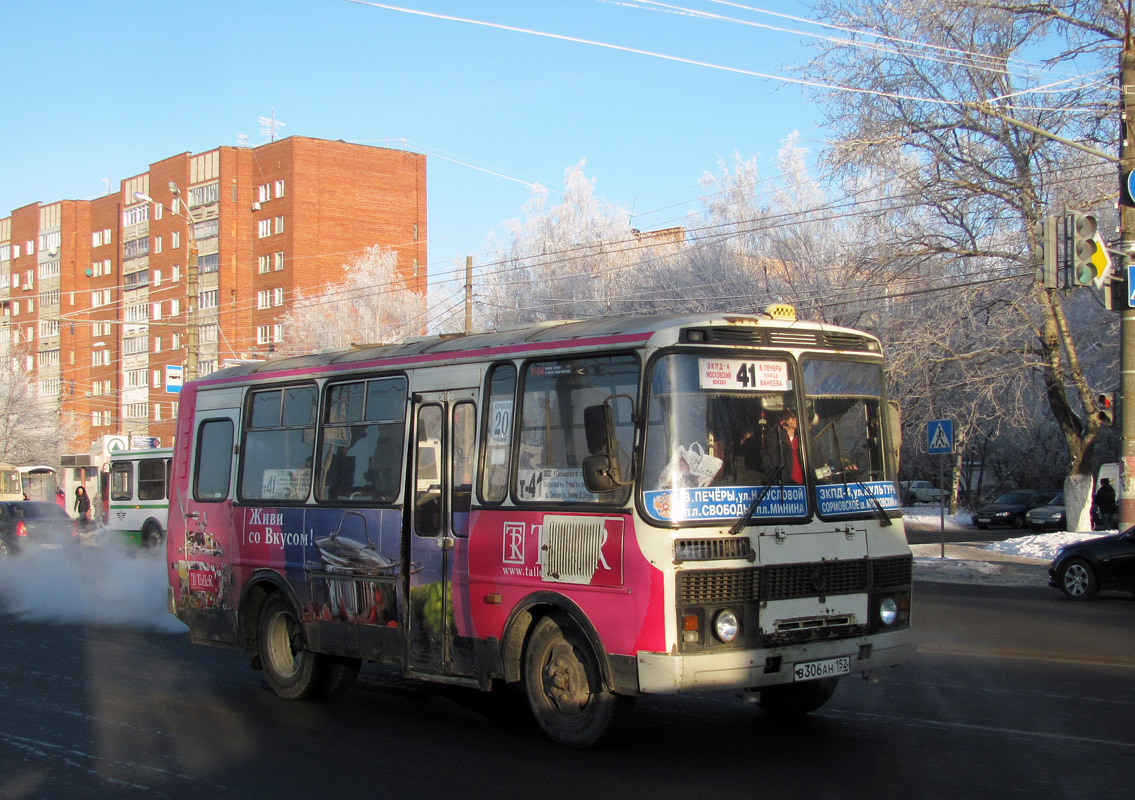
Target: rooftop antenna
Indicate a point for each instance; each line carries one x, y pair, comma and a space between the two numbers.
242, 140
106, 180
269, 126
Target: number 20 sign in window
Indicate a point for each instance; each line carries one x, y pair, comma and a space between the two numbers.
743, 375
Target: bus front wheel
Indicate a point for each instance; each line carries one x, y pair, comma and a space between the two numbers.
292, 670
564, 687
152, 536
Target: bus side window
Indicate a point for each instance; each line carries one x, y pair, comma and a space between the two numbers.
151, 479
427, 509
213, 465
464, 429
122, 481
497, 433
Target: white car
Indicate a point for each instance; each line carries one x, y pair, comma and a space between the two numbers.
915, 492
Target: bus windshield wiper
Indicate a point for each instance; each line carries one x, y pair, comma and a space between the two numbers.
747, 517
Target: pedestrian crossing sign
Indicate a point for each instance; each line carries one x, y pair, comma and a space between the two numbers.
940, 436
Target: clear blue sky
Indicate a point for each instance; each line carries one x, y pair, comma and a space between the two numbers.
103, 89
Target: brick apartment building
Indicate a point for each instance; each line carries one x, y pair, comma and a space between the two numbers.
95, 295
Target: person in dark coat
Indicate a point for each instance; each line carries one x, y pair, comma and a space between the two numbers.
1106, 506
82, 506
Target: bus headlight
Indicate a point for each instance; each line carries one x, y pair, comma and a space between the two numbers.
888, 611
726, 626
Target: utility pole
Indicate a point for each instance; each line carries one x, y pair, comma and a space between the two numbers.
1127, 248
468, 294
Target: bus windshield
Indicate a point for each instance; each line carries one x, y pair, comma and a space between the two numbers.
719, 430
844, 399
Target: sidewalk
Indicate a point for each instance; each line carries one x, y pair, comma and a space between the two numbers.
972, 563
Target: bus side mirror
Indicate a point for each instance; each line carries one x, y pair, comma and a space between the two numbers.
602, 471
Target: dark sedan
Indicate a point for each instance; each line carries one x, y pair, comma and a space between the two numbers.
1011, 507
1081, 570
26, 523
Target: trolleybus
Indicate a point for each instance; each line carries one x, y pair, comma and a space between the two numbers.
139, 495
595, 510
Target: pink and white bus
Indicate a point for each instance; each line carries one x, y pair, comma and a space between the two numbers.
596, 510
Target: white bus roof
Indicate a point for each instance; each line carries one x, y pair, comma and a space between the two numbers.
722, 329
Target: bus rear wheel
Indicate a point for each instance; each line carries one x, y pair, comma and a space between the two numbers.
292, 670
564, 686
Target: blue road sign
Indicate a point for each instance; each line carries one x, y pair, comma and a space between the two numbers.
1131, 286
940, 436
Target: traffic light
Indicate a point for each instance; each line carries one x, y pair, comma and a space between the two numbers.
1082, 248
1047, 273
1105, 402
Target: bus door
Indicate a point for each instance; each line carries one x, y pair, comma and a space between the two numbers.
201, 539
438, 503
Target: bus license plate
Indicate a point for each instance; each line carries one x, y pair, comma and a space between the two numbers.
828, 668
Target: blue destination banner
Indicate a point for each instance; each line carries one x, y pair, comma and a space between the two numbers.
725, 503
853, 498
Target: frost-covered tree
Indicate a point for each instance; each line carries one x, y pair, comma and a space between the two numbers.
370, 303
31, 430
936, 87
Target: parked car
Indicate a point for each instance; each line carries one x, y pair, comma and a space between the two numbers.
1051, 515
1011, 507
1082, 569
915, 492
26, 523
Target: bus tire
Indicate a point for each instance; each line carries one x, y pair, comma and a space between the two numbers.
797, 699
152, 538
564, 685
292, 670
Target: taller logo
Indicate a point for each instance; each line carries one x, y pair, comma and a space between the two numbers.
513, 543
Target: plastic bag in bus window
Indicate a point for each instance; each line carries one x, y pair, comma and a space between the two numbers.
690, 467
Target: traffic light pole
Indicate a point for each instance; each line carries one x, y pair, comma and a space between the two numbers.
1127, 315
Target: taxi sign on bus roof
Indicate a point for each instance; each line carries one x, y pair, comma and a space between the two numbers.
781, 311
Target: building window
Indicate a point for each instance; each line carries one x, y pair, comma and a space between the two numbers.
157, 311
278, 296
134, 344
135, 378
280, 224
136, 248
157, 211
280, 188
136, 215
263, 193
208, 334
264, 264
156, 379
49, 358
157, 248
174, 307
264, 228
202, 195
157, 344
208, 299
49, 269
48, 327
157, 278
206, 230
175, 239
209, 263
279, 260
136, 411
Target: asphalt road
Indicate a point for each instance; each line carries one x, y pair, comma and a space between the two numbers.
1014, 692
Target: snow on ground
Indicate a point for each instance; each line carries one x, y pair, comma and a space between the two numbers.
1019, 561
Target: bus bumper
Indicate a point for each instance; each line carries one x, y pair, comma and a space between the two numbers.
661, 673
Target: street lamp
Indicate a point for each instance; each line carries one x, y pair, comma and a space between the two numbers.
191, 322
